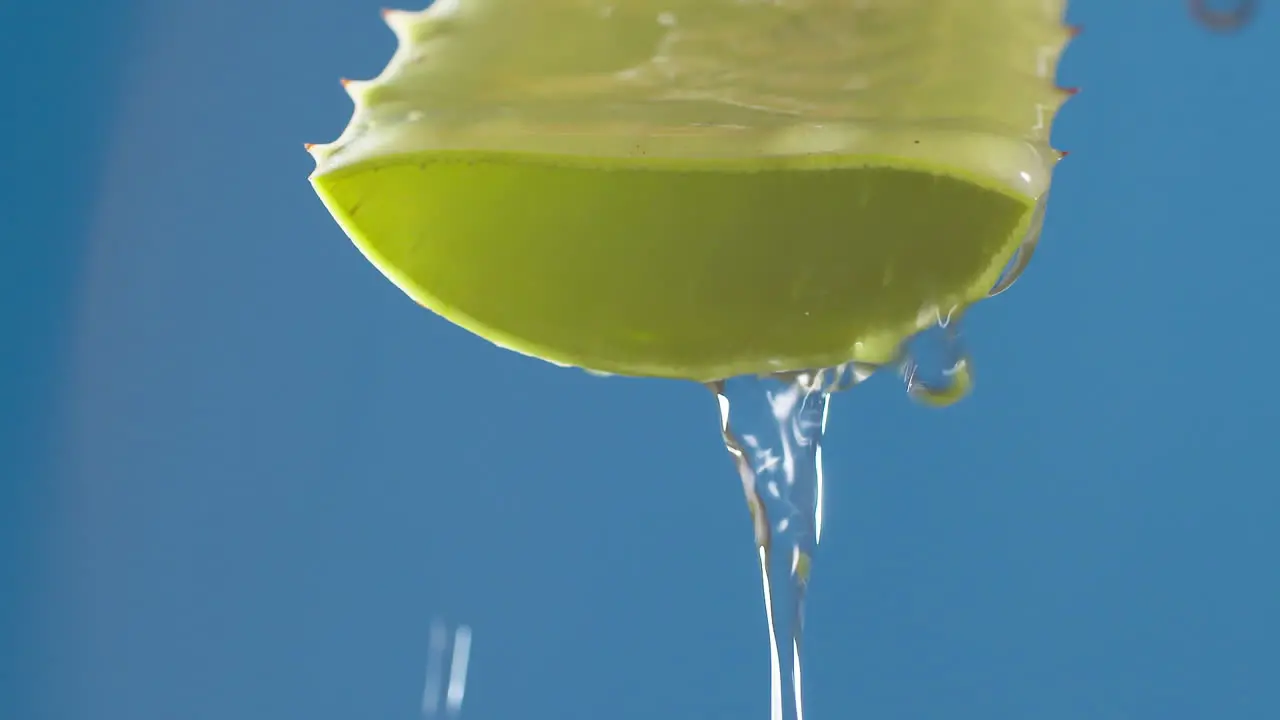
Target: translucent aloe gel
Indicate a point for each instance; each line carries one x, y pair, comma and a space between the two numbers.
736, 192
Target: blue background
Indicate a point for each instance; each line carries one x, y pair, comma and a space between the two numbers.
242, 474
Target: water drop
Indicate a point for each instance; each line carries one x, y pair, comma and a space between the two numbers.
446, 676
1018, 263
936, 368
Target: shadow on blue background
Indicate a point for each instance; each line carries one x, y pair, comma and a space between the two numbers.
244, 473
65, 61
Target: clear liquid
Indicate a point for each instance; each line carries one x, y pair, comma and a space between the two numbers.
773, 428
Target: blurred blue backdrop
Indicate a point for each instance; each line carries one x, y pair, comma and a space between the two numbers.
242, 474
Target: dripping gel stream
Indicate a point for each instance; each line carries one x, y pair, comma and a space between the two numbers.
773, 428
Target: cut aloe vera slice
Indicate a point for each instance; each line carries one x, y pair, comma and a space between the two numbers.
701, 188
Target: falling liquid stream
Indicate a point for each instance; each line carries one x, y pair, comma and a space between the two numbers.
773, 427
